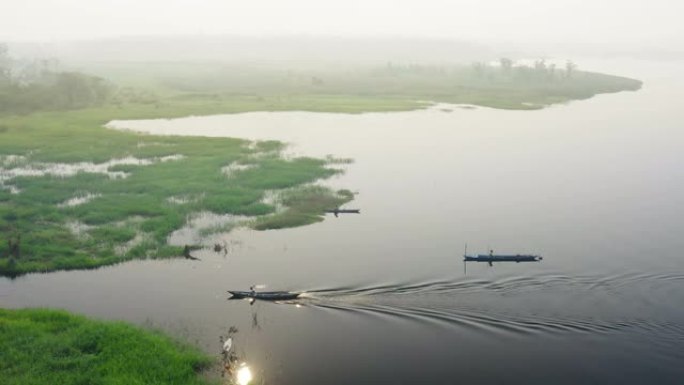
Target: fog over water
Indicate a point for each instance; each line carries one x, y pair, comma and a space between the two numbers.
627, 22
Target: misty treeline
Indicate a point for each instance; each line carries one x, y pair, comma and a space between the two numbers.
39, 84
539, 70
495, 70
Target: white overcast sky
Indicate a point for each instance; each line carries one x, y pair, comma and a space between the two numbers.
572, 21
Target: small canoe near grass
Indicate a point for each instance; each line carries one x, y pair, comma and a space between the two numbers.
338, 211
264, 295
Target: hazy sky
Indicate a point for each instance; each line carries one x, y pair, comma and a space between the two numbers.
577, 21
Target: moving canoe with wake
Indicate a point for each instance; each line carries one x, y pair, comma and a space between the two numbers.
252, 294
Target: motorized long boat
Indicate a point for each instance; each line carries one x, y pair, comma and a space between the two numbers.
264, 295
491, 257
502, 258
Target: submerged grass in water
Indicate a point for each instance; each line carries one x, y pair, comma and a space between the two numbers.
130, 216
303, 206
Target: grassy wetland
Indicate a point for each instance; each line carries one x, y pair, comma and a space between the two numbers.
134, 189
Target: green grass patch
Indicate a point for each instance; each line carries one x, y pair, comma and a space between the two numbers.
303, 206
42, 346
117, 234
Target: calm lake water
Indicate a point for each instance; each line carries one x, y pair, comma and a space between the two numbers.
594, 186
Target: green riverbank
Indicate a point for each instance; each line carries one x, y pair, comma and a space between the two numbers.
54, 347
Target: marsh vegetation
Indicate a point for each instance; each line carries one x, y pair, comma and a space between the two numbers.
130, 182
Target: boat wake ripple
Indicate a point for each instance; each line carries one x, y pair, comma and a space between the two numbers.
427, 302
504, 285
493, 322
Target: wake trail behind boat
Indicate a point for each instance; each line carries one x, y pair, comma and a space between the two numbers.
502, 285
476, 304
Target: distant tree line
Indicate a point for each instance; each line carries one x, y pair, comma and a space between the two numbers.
38, 85
539, 71
505, 70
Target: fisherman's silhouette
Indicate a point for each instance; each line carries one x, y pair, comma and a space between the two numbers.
252, 293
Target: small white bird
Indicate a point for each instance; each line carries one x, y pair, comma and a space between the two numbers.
228, 344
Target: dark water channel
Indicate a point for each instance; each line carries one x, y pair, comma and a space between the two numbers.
594, 186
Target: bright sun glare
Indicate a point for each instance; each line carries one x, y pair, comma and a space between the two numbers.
244, 375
